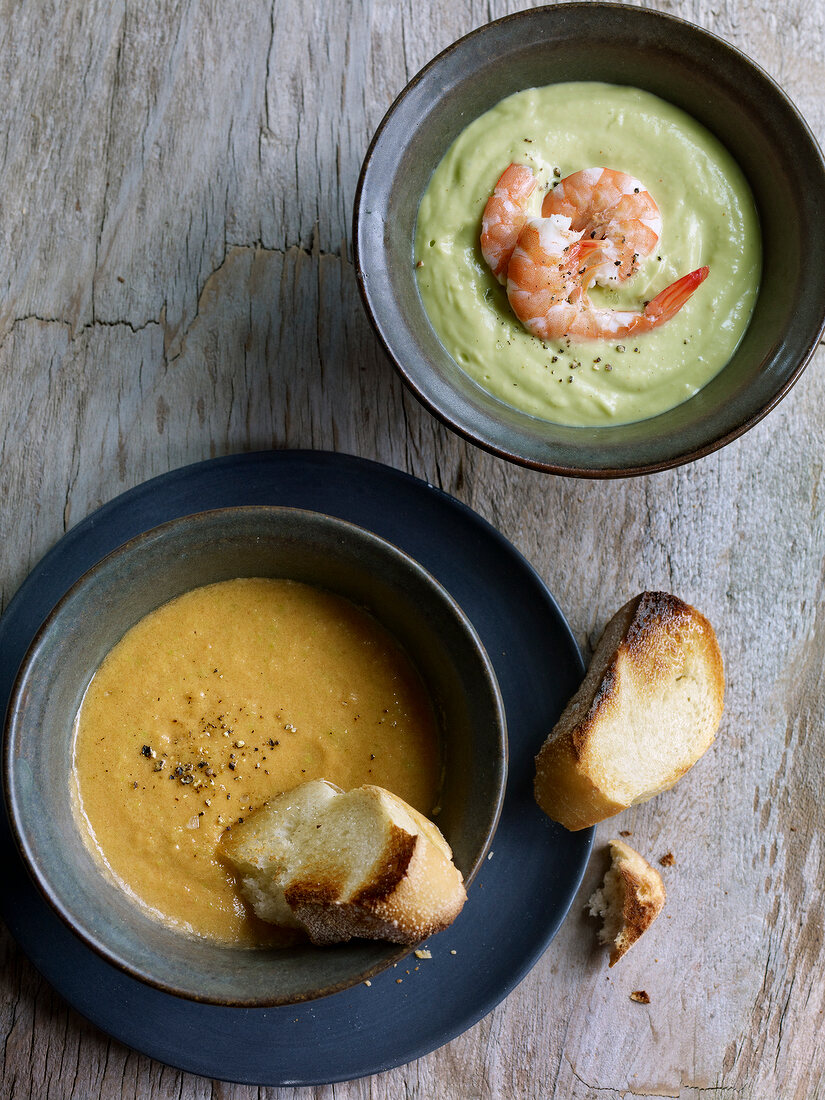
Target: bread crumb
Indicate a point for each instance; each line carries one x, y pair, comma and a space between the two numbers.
640, 996
490, 855
398, 981
367, 982
453, 952
668, 859
423, 953
625, 832
629, 900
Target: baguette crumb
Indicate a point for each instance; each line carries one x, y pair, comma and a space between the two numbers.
668, 859
640, 996
423, 953
625, 832
629, 900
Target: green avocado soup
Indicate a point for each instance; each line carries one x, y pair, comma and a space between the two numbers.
708, 218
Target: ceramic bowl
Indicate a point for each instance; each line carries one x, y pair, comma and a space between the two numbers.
134, 580
711, 80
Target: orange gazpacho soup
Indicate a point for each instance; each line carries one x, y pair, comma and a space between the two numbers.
216, 702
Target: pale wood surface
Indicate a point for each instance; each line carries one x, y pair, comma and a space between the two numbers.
176, 181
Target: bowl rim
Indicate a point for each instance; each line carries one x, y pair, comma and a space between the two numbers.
690, 454
7, 768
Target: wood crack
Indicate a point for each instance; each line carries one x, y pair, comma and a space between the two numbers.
108, 154
312, 253
699, 1090
75, 332
596, 1088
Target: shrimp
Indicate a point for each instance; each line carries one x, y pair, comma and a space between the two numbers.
504, 217
548, 276
596, 226
611, 207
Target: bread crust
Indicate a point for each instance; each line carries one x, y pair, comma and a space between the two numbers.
647, 709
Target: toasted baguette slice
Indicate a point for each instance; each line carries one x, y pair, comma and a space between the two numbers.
345, 864
629, 901
648, 708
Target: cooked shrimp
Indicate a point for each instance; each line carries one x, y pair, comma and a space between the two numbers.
611, 207
547, 279
504, 217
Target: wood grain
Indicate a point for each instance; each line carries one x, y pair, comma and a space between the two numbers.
176, 182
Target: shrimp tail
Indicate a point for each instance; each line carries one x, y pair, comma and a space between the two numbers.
586, 250
590, 254
668, 303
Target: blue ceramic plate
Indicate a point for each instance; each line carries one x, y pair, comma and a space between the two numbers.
528, 884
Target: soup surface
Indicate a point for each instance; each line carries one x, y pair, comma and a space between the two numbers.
708, 218
219, 700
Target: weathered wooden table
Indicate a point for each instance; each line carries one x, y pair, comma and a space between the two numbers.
176, 183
